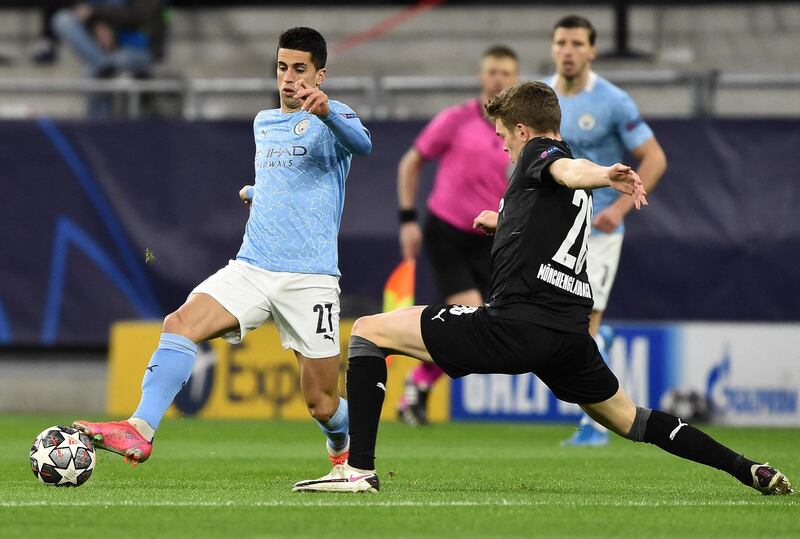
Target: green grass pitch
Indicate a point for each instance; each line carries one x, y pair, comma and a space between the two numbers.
233, 479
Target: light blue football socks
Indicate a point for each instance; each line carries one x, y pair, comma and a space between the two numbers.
337, 427
169, 369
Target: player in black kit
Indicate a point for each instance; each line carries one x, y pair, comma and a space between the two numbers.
537, 319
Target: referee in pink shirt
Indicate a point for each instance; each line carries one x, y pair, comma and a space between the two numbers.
472, 176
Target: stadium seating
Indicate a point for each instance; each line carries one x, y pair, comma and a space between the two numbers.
239, 42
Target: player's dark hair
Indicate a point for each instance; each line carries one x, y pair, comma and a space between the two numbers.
531, 103
500, 51
302, 38
576, 21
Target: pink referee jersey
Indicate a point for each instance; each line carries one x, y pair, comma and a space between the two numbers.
472, 173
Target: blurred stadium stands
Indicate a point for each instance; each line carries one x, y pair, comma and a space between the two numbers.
701, 58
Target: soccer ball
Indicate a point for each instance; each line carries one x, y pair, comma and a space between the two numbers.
62, 457
686, 403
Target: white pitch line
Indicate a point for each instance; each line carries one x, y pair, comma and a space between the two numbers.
382, 503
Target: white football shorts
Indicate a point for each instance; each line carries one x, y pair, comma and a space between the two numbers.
305, 307
602, 262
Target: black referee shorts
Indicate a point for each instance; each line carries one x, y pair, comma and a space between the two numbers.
460, 261
468, 340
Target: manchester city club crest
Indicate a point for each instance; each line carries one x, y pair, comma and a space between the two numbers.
586, 122
301, 127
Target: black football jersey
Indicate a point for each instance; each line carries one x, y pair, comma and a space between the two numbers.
539, 249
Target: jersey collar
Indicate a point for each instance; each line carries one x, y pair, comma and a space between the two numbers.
590, 83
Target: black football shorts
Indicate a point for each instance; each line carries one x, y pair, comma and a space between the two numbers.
460, 261
469, 340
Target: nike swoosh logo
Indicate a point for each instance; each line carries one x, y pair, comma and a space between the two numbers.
354, 478
383, 387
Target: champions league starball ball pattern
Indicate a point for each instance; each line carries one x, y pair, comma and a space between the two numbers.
62, 457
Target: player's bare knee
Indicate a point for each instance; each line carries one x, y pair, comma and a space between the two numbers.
363, 327
323, 414
176, 323
321, 407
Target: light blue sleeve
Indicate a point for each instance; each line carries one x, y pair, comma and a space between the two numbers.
631, 128
348, 129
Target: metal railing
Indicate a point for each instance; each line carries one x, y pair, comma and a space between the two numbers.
380, 93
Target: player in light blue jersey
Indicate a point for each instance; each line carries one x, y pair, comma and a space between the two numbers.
301, 163
286, 269
600, 122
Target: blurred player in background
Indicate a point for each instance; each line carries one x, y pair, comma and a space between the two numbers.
112, 37
287, 266
600, 122
537, 317
472, 175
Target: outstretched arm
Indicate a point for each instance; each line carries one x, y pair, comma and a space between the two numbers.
583, 174
579, 173
348, 131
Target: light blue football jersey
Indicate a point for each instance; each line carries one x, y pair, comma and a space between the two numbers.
600, 124
300, 172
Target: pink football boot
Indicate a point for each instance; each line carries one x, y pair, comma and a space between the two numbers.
119, 437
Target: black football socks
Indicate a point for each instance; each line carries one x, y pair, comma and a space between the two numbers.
366, 389
683, 440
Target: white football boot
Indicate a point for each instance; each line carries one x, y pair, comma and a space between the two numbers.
343, 478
